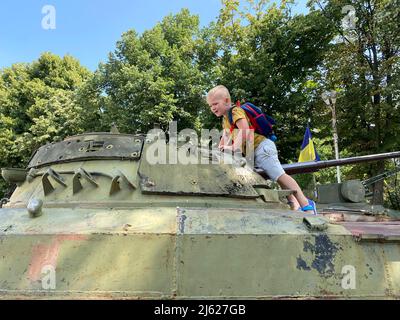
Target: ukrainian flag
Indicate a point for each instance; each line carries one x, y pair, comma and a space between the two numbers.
308, 152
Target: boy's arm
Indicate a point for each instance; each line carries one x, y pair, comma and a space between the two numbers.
239, 117
224, 142
243, 127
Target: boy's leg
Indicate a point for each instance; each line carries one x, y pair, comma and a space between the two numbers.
293, 203
266, 158
287, 182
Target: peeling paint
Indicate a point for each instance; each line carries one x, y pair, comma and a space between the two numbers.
244, 221
182, 219
325, 251
301, 264
308, 246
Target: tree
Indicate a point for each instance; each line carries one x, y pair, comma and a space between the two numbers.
363, 66
269, 57
38, 105
156, 77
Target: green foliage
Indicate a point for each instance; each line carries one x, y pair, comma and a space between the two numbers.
38, 105
363, 67
270, 59
392, 188
156, 77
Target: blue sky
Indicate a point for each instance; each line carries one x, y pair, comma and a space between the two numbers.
87, 29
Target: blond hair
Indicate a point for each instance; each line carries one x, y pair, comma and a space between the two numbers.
221, 91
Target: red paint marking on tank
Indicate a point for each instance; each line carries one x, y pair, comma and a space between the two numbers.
365, 228
47, 254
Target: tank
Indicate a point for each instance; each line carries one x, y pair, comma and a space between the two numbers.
93, 217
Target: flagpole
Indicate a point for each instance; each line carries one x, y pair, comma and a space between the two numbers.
314, 180
335, 138
330, 100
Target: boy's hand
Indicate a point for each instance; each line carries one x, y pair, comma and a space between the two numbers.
223, 143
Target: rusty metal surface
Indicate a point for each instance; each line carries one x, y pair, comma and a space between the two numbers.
382, 229
337, 216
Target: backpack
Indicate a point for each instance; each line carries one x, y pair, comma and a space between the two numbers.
260, 122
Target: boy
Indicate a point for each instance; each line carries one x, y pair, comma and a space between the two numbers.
266, 154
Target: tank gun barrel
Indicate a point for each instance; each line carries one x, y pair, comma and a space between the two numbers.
313, 166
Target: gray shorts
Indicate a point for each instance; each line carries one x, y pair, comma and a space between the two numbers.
266, 158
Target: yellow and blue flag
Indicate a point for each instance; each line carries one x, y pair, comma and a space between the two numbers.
308, 152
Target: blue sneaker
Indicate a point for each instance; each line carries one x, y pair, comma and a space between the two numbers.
311, 206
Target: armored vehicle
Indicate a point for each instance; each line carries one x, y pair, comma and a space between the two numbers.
93, 217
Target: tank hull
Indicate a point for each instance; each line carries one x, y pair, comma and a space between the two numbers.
196, 253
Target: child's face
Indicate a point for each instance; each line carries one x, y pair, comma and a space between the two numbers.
218, 105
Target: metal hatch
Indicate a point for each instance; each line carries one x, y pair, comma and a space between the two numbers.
198, 179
